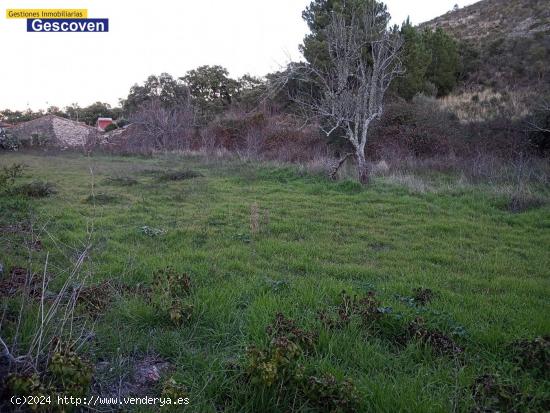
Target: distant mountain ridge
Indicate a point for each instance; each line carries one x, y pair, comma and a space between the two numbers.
504, 43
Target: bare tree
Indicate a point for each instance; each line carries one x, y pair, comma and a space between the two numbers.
163, 128
364, 58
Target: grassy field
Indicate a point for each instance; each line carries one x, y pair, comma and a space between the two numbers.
257, 240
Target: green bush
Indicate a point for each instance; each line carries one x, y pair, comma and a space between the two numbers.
9, 174
111, 127
8, 142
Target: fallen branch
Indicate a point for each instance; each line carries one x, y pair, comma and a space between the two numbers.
336, 168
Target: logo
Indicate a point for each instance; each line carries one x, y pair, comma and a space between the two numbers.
59, 20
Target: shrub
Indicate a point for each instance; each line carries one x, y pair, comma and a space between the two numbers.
67, 374
9, 174
8, 141
122, 123
420, 128
37, 189
111, 127
539, 133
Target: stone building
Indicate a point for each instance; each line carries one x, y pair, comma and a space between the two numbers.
53, 130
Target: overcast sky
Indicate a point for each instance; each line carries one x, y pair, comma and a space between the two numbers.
149, 37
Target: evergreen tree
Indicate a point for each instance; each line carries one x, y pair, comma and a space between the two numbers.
416, 59
444, 66
317, 16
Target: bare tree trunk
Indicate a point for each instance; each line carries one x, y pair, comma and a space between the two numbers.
362, 167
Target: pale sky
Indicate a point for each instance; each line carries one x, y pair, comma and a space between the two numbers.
150, 37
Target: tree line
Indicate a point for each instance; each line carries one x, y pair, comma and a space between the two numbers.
431, 64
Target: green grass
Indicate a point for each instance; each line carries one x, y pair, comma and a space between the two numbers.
489, 270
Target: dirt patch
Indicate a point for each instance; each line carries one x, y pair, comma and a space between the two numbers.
96, 297
101, 199
18, 228
423, 296
179, 175
18, 280
141, 379
121, 181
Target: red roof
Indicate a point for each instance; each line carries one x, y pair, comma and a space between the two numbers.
102, 123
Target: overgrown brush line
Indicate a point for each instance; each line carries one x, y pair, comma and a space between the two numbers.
40, 352
43, 336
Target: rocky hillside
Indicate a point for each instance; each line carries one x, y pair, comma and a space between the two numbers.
504, 43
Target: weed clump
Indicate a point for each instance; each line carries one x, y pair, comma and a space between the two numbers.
96, 297
491, 395
66, 375
36, 189
179, 175
330, 395
171, 292
101, 199
533, 356
279, 369
152, 232
121, 181
367, 309
173, 390
439, 342
423, 296
286, 329
278, 363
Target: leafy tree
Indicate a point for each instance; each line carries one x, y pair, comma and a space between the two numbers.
17, 116
54, 110
444, 66
73, 111
211, 88
169, 91
89, 114
251, 90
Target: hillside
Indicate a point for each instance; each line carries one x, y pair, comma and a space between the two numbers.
503, 42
